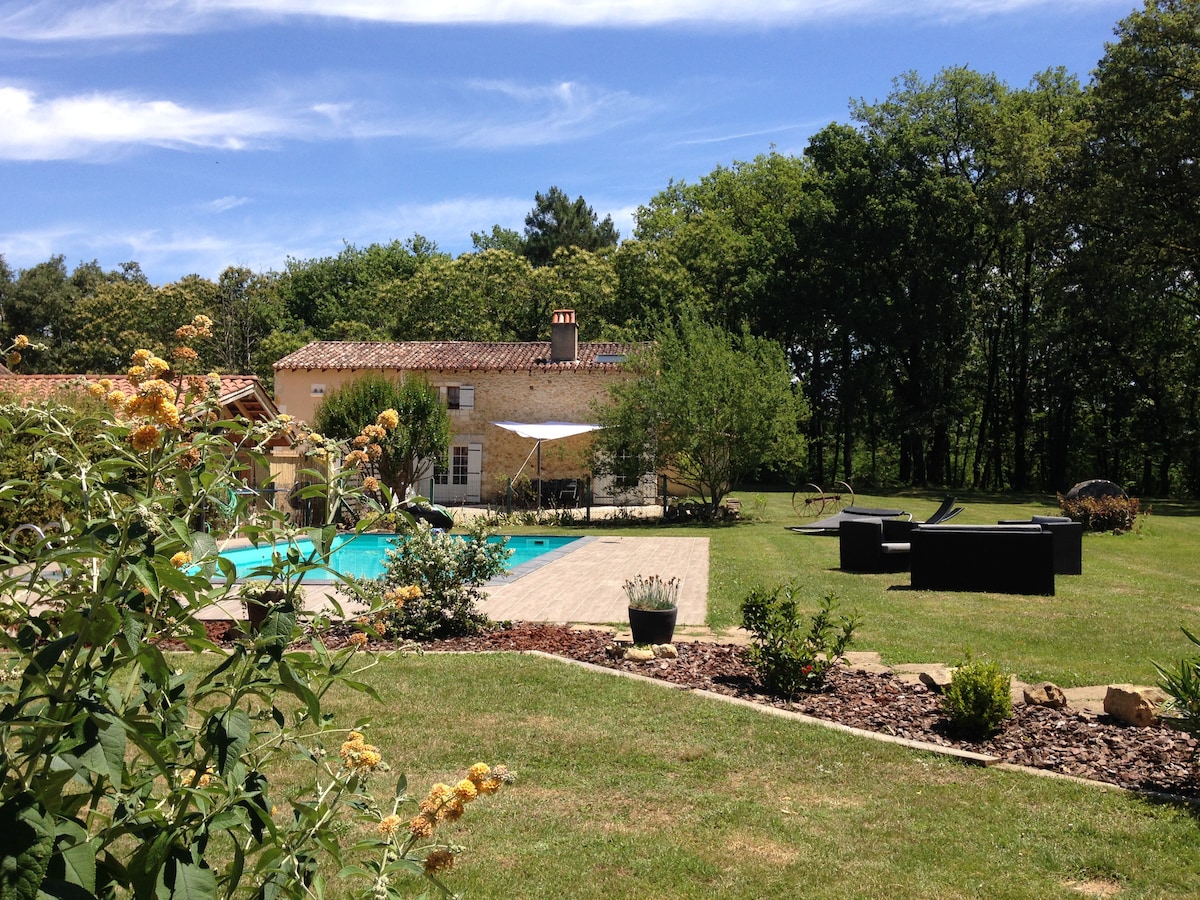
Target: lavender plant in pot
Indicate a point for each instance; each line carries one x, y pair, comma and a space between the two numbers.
653, 607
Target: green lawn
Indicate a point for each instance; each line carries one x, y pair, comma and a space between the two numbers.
628, 789
1108, 625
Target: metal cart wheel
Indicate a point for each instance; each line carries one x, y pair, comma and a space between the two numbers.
841, 497
808, 501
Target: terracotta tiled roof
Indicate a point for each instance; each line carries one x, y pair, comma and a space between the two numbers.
245, 393
450, 355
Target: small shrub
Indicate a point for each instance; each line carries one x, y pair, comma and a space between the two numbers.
432, 584
979, 699
652, 592
1183, 687
789, 654
1115, 514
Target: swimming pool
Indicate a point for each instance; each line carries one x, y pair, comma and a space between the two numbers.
363, 555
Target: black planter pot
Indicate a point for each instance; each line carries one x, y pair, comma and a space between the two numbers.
652, 626
257, 608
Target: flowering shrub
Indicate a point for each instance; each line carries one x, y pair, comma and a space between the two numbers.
122, 774
789, 656
1116, 514
409, 847
432, 584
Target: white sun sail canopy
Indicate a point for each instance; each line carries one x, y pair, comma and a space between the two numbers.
547, 431
544, 431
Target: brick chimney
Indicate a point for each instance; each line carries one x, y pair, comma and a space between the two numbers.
564, 336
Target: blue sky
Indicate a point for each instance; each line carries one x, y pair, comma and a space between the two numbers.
191, 135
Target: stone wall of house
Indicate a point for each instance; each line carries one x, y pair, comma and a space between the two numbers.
538, 395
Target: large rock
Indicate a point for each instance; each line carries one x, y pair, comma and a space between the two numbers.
1134, 705
639, 654
934, 676
1045, 694
1097, 489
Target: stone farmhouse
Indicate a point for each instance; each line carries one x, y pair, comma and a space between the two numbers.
482, 383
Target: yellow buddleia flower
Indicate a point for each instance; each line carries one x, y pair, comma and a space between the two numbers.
421, 826
389, 825
388, 419
181, 560
479, 772
357, 755
438, 860
145, 437
466, 791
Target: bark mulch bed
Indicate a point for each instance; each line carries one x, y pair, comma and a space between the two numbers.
1156, 759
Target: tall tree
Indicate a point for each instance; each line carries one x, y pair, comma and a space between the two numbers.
1139, 245
410, 450
320, 293
557, 221
705, 407
247, 309
1146, 112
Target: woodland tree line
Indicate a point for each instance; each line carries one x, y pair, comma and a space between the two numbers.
976, 285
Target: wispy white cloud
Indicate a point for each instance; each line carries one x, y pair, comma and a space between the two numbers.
224, 204
739, 136
44, 20
81, 125
547, 114
481, 115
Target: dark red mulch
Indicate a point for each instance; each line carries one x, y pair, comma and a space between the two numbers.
1156, 759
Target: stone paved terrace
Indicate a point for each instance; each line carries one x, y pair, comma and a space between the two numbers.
586, 584
583, 583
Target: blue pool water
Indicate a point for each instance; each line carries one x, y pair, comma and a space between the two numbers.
363, 556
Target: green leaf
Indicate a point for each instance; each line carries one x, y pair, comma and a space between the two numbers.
74, 862
106, 754
227, 734
26, 849
154, 664
276, 631
193, 882
101, 624
228, 820
145, 575
289, 680
47, 658
64, 890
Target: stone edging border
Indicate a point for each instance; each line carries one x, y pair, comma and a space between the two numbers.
967, 757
